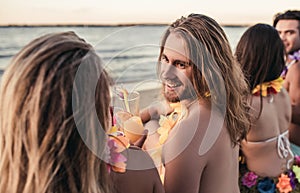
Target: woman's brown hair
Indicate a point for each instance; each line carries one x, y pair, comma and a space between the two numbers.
41, 149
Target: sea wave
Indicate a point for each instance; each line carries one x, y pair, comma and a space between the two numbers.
129, 53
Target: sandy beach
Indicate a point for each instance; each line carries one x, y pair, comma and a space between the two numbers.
149, 95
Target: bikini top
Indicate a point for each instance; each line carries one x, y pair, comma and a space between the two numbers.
283, 146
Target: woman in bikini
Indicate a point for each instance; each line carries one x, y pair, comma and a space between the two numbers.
266, 150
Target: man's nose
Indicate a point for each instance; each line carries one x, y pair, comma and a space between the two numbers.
282, 36
167, 70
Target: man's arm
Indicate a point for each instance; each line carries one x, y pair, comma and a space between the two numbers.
296, 114
183, 168
140, 176
189, 170
154, 110
294, 92
183, 174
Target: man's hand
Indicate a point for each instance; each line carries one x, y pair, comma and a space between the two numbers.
155, 110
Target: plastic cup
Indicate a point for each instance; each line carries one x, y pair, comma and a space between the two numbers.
133, 102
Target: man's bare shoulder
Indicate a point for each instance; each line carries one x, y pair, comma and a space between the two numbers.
295, 69
208, 124
292, 76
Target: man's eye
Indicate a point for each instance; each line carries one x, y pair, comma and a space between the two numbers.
163, 59
181, 65
290, 32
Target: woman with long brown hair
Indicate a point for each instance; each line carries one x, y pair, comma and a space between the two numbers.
43, 101
266, 151
54, 113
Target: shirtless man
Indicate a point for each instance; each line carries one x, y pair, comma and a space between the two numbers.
288, 27
197, 69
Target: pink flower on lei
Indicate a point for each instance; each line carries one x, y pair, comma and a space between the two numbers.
297, 160
249, 179
116, 160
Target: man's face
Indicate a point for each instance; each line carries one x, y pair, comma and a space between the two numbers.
175, 70
289, 33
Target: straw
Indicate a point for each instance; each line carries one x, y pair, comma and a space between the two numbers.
123, 93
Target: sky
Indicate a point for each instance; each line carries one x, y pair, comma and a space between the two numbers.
114, 12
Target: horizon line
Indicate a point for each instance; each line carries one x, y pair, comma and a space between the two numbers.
106, 25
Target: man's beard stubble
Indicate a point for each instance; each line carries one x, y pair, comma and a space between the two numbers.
174, 97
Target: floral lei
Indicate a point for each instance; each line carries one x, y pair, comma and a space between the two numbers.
295, 55
267, 88
294, 58
117, 143
166, 123
287, 182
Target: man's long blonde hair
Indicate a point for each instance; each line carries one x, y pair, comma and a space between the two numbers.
40, 147
216, 77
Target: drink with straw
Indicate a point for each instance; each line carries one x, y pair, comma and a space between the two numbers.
129, 101
128, 119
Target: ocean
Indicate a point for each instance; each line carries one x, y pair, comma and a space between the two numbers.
129, 53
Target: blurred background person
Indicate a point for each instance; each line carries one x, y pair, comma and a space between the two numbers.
288, 26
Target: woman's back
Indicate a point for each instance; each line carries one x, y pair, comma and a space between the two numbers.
267, 141
274, 118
